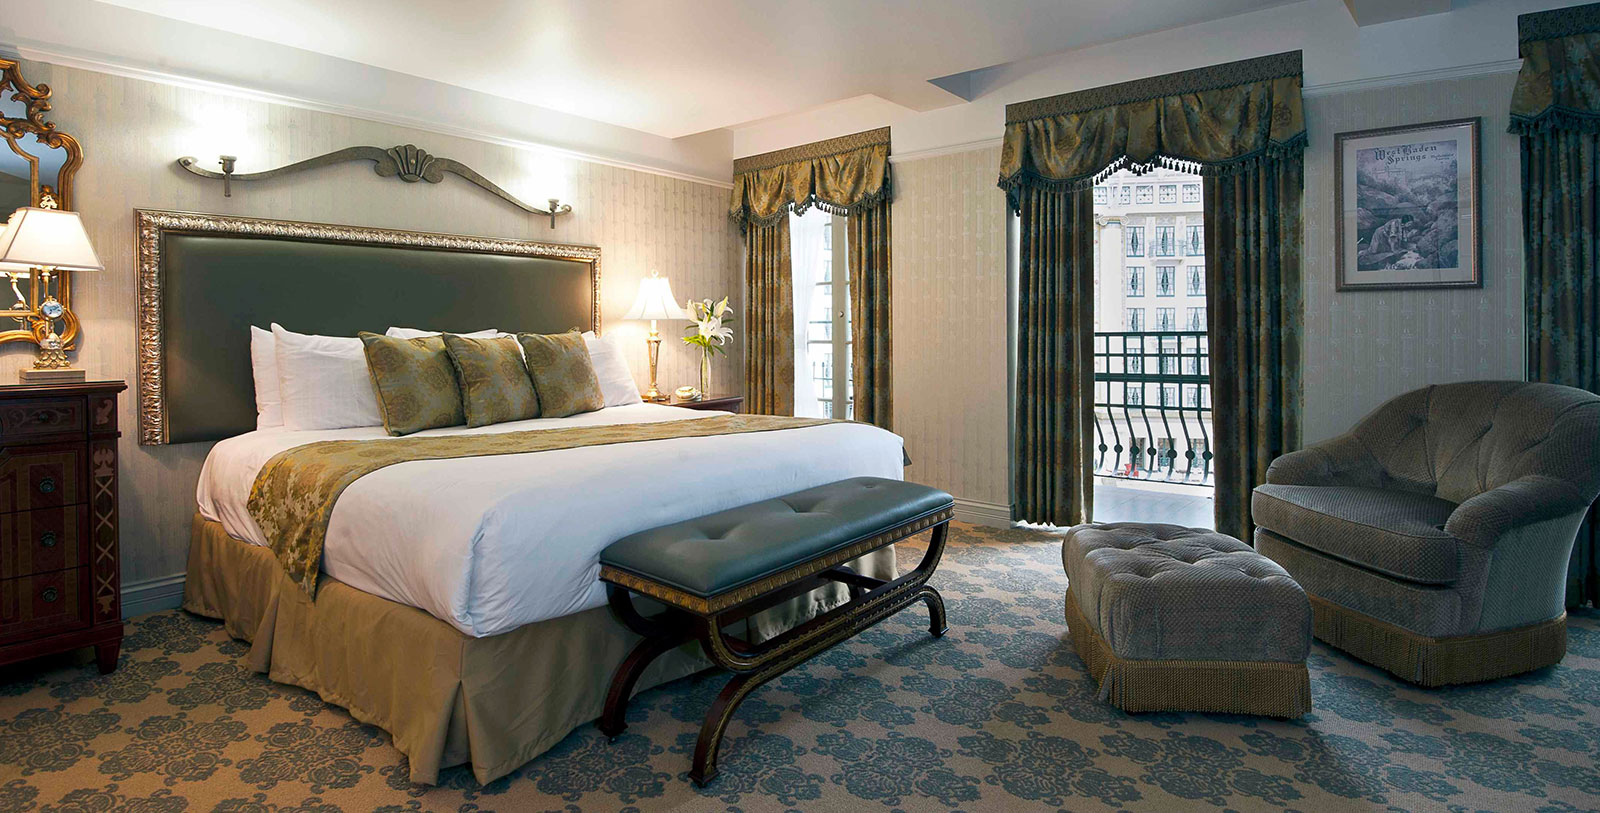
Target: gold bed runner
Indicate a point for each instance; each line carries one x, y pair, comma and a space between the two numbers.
294, 494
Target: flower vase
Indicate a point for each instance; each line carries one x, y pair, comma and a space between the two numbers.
705, 373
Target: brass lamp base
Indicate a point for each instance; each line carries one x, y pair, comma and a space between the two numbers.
51, 366
654, 395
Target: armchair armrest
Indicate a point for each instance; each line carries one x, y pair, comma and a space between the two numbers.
1340, 461
1482, 520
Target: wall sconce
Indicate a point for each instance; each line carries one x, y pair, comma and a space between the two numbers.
406, 162
557, 208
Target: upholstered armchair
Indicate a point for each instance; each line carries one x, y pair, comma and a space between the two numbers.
1433, 538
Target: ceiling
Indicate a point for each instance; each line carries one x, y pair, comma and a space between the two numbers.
679, 67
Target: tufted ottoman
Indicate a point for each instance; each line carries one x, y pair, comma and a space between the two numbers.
1169, 618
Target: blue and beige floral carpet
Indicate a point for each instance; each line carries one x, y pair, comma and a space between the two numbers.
999, 715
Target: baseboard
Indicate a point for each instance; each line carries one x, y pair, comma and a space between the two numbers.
152, 595
983, 513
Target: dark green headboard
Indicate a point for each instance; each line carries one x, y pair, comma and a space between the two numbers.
205, 279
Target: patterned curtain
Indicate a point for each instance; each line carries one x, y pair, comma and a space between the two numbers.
1051, 470
1556, 110
847, 176
1253, 304
871, 354
769, 320
1241, 126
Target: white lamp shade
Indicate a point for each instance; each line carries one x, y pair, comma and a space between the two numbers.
655, 301
47, 237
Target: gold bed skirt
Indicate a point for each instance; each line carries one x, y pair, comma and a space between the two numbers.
444, 697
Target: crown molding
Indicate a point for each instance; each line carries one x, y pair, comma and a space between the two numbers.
101, 65
1398, 79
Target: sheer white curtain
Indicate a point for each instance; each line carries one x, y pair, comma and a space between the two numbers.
805, 247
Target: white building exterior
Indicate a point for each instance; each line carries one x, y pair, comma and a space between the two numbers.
1150, 271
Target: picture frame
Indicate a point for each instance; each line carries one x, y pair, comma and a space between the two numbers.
1407, 211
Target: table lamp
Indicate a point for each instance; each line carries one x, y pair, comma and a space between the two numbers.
655, 302
46, 241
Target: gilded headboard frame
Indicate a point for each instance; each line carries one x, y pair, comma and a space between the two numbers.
153, 332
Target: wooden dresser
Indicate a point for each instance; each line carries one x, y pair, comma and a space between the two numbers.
59, 575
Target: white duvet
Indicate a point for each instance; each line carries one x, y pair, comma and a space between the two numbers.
491, 543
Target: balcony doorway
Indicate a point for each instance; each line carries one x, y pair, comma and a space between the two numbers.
1152, 442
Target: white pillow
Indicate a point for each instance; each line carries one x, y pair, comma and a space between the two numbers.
264, 368
324, 382
413, 333
616, 382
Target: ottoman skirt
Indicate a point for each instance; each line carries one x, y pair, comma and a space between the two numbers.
1266, 688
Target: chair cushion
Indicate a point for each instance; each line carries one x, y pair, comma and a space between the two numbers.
1396, 533
719, 552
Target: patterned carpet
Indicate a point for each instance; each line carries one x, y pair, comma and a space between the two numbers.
999, 715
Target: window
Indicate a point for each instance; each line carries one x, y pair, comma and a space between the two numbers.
1191, 193
1166, 319
1168, 193
1145, 194
1169, 394
1166, 280
1197, 280
1100, 195
1135, 280
1123, 193
1197, 318
1133, 395
1135, 318
1194, 241
818, 247
1135, 241
1191, 398
1164, 246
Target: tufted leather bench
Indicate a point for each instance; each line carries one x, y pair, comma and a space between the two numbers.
1169, 618
722, 568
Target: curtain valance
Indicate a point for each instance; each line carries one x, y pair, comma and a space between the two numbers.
840, 176
1207, 120
1559, 85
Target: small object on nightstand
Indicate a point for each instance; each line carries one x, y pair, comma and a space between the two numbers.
724, 403
58, 489
46, 241
688, 394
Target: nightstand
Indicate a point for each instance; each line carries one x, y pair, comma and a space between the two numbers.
725, 403
60, 586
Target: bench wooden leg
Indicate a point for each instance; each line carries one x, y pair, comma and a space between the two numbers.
613, 721
773, 658
660, 637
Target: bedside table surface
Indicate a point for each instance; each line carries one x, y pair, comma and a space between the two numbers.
729, 403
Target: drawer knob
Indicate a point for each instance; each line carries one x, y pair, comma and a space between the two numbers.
47, 485
48, 539
49, 595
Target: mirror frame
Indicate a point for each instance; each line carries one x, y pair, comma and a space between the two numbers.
36, 99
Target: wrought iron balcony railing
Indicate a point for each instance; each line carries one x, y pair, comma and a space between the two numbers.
1152, 406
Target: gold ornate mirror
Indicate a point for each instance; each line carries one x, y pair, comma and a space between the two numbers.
36, 169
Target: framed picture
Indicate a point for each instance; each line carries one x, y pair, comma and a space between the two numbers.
1407, 200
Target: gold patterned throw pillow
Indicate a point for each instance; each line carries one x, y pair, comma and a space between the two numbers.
562, 373
415, 383
495, 386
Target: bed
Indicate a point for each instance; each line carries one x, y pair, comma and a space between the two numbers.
458, 606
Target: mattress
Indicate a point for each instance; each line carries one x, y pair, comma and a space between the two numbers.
488, 544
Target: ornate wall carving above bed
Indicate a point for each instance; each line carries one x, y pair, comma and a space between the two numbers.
204, 279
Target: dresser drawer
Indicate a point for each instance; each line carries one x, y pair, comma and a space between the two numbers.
43, 540
35, 419
44, 603
41, 476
